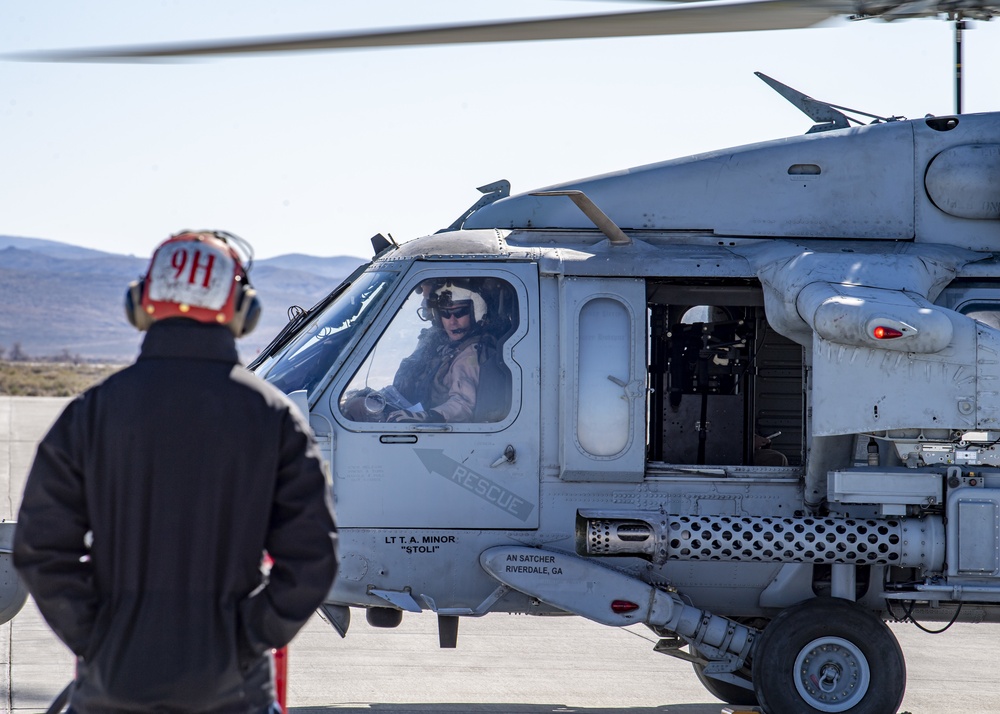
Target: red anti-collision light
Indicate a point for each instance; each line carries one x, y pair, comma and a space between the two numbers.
886, 333
622, 607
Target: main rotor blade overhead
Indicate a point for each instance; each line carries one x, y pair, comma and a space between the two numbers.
683, 18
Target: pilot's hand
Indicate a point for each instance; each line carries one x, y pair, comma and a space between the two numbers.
405, 416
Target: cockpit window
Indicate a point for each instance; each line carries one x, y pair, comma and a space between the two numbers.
440, 359
309, 356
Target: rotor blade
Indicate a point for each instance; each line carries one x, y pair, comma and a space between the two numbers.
686, 18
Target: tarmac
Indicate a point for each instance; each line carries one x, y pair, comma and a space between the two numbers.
504, 664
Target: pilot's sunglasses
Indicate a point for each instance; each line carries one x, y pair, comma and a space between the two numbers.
454, 312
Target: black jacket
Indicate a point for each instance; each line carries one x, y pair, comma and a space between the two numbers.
185, 467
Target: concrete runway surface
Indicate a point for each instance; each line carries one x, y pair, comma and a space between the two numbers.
504, 664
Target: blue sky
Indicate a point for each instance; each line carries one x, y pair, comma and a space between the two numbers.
315, 153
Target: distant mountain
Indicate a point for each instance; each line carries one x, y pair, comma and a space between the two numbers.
49, 247
336, 268
59, 299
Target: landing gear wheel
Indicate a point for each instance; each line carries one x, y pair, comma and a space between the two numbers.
726, 691
828, 655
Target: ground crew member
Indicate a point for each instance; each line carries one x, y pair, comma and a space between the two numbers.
153, 498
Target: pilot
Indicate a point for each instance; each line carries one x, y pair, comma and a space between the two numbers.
152, 500
442, 374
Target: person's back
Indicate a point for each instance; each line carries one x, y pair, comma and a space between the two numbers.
185, 468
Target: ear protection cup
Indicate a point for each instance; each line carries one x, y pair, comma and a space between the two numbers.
246, 313
136, 316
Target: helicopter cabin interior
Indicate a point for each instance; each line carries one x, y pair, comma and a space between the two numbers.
724, 387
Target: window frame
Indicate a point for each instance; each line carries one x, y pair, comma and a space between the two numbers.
391, 309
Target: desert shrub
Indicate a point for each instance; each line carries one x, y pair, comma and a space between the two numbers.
50, 379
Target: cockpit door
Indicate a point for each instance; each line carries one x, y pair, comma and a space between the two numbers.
436, 427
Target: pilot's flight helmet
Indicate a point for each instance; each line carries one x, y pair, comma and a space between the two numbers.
451, 296
200, 276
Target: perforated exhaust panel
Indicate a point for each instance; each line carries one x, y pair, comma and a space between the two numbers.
896, 541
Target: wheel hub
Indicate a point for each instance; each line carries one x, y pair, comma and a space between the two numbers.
828, 678
831, 674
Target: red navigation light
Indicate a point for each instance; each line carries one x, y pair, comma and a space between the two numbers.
886, 333
622, 607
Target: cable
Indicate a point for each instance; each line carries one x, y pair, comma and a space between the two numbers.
240, 245
908, 617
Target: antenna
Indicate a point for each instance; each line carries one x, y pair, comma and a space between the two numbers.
829, 116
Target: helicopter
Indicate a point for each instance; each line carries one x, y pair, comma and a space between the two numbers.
746, 398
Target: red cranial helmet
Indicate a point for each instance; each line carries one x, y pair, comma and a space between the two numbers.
199, 276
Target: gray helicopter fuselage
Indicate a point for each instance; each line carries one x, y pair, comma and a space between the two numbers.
930, 180
836, 292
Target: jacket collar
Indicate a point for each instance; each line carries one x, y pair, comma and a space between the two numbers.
181, 338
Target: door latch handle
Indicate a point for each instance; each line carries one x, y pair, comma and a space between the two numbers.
509, 456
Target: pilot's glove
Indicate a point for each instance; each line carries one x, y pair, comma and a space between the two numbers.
405, 416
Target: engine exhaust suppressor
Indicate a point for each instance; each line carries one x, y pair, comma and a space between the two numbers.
894, 541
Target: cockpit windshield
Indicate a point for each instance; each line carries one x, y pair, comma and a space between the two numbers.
307, 358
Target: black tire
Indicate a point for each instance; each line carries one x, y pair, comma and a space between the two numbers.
828, 655
725, 691
731, 693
